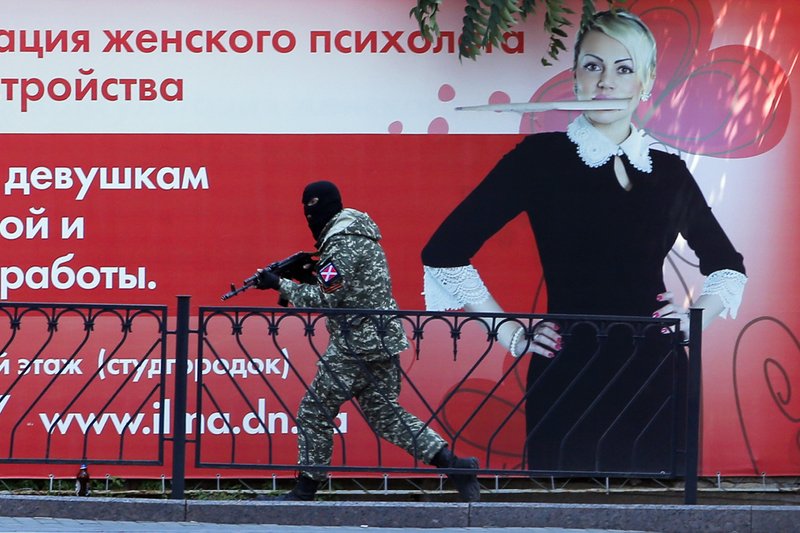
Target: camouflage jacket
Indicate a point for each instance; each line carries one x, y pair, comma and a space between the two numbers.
352, 272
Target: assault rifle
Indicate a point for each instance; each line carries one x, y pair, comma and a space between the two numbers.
299, 266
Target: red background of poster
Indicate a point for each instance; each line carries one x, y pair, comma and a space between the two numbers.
197, 242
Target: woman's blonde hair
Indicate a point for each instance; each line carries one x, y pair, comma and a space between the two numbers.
634, 35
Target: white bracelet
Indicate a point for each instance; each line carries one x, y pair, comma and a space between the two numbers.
514, 340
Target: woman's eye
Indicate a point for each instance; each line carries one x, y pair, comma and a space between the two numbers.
625, 69
592, 67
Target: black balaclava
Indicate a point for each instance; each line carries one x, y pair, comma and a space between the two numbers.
321, 202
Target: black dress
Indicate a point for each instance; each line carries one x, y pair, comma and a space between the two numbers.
602, 250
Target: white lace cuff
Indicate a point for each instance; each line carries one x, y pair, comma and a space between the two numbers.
452, 288
729, 286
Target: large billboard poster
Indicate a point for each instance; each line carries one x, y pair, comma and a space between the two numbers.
155, 149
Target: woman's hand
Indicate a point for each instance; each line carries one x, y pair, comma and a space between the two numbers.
670, 310
546, 340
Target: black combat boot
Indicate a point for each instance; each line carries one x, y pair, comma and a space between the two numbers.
466, 484
304, 491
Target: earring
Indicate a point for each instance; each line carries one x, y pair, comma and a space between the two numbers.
645, 97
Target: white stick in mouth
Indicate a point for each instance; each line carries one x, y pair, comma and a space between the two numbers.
566, 105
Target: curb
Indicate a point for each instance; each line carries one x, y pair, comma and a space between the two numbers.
641, 517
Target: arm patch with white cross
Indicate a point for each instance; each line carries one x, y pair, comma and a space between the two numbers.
330, 279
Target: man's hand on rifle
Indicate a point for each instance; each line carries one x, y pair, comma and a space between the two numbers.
266, 279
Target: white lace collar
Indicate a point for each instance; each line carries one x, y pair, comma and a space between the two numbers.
595, 149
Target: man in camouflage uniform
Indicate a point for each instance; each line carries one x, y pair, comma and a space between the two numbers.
361, 358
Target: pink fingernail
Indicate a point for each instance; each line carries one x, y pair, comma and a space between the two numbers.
665, 331
659, 298
656, 315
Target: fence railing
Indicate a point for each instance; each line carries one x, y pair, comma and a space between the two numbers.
52, 346
237, 394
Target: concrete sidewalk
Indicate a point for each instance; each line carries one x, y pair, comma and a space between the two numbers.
402, 515
46, 525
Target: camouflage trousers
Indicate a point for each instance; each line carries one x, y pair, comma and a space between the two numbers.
376, 386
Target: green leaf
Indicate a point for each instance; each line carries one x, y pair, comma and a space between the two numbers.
486, 22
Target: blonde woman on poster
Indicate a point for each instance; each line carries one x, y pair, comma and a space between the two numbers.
605, 210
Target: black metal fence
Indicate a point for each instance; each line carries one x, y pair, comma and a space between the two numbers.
43, 361
237, 395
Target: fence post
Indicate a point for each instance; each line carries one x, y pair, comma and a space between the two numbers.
179, 401
694, 385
